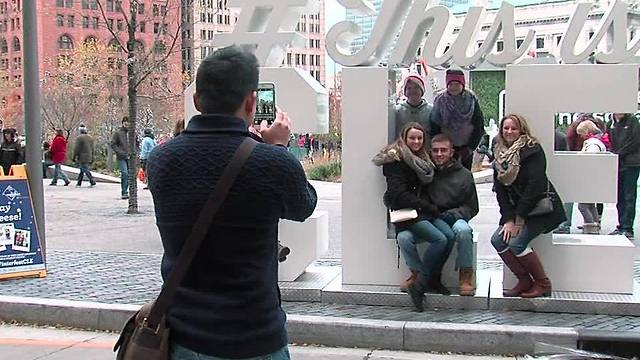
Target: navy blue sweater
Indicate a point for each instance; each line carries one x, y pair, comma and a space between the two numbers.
229, 303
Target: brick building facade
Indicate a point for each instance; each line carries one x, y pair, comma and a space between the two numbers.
63, 24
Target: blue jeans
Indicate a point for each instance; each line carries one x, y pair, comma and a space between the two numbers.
84, 170
123, 165
518, 244
438, 234
181, 353
463, 234
58, 173
627, 194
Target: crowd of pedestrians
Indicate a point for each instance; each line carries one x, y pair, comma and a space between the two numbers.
55, 154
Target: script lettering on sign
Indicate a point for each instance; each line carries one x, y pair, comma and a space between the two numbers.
435, 22
268, 26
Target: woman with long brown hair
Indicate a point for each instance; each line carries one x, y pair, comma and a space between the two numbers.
521, 185
408, 170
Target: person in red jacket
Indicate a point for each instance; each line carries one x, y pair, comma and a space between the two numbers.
58, 154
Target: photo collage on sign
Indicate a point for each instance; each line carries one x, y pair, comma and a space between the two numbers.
18, 239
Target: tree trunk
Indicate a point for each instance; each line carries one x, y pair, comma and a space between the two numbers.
132, 94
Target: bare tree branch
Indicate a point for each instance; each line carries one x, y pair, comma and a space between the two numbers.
126, 18
155, 67
110, 28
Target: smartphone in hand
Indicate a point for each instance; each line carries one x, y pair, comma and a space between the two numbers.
265, 103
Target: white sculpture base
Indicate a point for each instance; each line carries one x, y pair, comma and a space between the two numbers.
584, 263
308, 241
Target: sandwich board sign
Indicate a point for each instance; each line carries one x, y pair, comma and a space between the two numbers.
20, 250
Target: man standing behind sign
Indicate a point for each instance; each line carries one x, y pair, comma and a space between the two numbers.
228, 306
58, 155
456, 113
415, 108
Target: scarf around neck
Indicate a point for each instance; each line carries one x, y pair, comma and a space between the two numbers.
424, 169
455, 111
507, 162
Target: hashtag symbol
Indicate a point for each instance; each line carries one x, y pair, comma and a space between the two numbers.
267, 27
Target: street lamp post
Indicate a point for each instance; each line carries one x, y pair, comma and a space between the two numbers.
32, 117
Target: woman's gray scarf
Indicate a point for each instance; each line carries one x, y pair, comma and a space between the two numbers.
424, 169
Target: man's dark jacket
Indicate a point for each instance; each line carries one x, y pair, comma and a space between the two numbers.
625, 141
120, 144
83, 149
11, 153
229, 303
453, 191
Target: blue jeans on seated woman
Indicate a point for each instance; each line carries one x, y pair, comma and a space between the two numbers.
181, 353
441, 239
517, 245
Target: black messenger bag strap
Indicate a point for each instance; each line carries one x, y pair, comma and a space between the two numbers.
198, 233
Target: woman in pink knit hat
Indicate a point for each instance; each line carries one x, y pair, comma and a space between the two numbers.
414, 108
456, 113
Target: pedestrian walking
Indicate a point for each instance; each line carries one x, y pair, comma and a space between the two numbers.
120, 145
58, 155
148, 144
46, 159
625, 141
520, 183
83, 156
456, 113
11, 152
593, 141
574, 142
228, 305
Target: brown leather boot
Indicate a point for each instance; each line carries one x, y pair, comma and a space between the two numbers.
466, 282
524, 279
541, 283
405, 284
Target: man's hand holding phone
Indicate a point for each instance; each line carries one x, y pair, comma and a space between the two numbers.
278, 132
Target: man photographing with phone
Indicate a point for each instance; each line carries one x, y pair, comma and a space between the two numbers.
228, 304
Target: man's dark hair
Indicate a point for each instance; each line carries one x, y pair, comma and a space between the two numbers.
225, 78
125, 119
442, 138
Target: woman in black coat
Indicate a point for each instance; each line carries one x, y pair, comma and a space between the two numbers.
520, 182
408, 170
